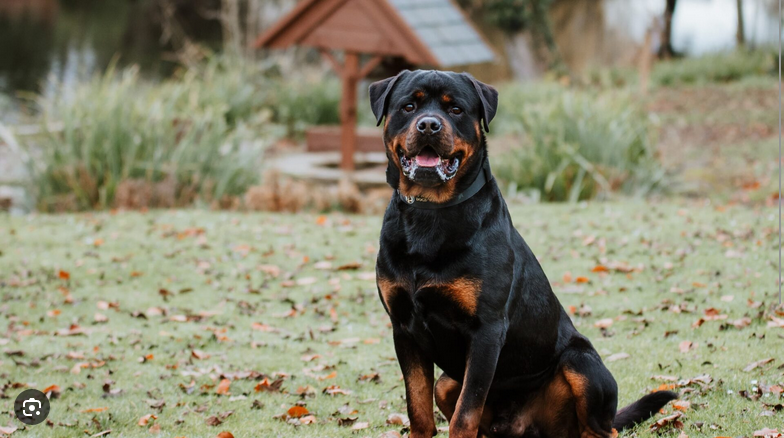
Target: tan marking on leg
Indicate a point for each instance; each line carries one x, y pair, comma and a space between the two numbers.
388, 290
463, 291
447, 392
420, 399
579, 385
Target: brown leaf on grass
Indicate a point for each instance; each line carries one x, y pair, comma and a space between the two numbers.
225, 435
768, 433
347, 421
713, 314
146, 419
681, 405
306, 391
350, 266
64, 275
73, 330
198, 354
670, 421
307, 419
297, 412
390, 434
617, 356
603, 323
397, 419
331, 375
372, 377
776, 322
87, 411
7, 430
361, 425
335, 390
685, 346
267, 386
216, 420
738, 323
757, 364
52, 392
223, 387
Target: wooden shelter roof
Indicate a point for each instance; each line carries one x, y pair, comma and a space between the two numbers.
430, 32
445, 30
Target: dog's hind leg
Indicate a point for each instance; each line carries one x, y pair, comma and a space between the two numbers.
594, 390
447, 392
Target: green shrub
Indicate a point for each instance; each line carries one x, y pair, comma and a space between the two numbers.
297, 104
573, 145
720, 67
191, 134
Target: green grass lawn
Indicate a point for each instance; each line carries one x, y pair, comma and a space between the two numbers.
132, 314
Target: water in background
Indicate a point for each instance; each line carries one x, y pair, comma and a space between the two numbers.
699, 26
72, 39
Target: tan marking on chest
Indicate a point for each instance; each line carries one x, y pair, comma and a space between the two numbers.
463, 291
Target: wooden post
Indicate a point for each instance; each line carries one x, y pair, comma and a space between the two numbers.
348, 113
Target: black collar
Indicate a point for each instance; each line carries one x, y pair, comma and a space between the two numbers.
480, 181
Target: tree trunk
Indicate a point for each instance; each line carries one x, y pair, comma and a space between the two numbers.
665, 50
740, 36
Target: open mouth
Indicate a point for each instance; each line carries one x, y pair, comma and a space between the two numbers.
446, 168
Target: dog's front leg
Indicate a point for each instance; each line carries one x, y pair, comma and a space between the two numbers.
418, 376
480, 368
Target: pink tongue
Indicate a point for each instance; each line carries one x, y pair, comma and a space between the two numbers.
427, 158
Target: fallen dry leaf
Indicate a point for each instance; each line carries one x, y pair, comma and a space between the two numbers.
223, 387
670, 421
685, 346
617, 356
361, 425
603, 323
146, 419
398, 419
757, 364
768, 433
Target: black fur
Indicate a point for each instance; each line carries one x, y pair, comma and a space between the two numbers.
642, 409
464, 291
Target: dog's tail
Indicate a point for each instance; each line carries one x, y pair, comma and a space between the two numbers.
642, 409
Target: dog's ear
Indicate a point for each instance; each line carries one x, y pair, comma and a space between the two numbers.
488, 96
379, 95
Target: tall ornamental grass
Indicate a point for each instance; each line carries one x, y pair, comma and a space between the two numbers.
718, 67
197, 137
570, 145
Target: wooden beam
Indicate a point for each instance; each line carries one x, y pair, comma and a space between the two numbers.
327, 54
348, 114
369, 66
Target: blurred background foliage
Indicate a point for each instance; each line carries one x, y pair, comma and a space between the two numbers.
165, 103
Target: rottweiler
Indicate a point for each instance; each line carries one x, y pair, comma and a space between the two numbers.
464, 291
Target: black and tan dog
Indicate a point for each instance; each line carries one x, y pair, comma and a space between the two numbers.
465, 292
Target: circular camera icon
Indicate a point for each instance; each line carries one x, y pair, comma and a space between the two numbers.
31, 407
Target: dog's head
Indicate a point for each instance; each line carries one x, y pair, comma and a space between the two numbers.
433, 131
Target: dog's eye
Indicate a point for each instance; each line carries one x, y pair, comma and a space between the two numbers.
408, 107
456, 110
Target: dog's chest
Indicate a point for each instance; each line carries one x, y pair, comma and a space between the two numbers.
427, 304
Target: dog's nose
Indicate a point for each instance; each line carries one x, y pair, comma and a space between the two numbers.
428, 125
